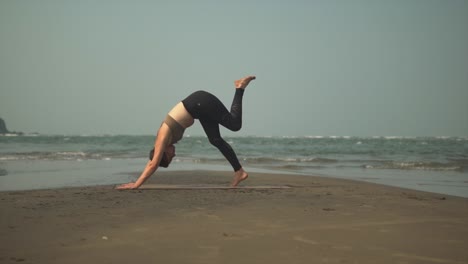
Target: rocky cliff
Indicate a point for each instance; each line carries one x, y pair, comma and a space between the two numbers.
3, 129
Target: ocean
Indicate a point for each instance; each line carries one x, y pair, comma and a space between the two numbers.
434, 164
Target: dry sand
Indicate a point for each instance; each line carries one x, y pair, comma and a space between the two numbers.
319, 220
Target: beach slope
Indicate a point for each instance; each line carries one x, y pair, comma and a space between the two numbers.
317, 220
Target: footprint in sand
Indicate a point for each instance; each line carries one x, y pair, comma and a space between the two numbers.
315, 243
304, 240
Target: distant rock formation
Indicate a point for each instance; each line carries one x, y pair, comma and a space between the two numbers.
3, 129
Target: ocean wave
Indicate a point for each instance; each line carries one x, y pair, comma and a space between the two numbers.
297, 167
429, 166
7, 158
423, 153
62, 155
262, 160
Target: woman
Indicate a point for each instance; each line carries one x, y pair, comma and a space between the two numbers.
211, 112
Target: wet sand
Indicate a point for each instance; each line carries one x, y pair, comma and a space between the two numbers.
317, 220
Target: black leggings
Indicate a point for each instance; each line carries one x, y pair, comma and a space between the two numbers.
211, 112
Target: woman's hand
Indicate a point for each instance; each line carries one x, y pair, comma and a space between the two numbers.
127, 186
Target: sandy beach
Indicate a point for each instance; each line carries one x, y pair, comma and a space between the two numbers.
317, 220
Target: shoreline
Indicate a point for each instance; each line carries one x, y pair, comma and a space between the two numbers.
318, 220
36, 175
201, 177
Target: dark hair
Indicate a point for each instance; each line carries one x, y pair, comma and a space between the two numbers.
163, 163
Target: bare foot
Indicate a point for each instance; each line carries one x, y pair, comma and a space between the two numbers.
242, 83
239, 176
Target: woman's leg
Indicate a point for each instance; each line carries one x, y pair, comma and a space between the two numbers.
233, 119
203, 105
212, 131
211, 112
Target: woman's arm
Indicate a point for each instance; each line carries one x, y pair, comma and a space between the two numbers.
162, 141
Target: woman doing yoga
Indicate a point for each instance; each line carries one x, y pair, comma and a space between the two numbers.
211, 112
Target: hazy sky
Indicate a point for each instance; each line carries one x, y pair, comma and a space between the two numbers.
359, 68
